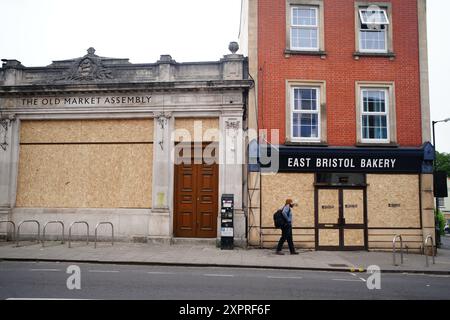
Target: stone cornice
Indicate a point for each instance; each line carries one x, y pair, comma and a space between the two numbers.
128, 87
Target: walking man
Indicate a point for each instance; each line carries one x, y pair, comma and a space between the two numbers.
286, 229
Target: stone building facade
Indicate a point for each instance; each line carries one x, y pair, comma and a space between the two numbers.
100, 139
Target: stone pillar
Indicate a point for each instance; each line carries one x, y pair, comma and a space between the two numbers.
13, 71
9, 140
160, 223
426, 193
165, 63
232, 64
231, 160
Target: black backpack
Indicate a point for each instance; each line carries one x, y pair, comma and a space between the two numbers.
278, 219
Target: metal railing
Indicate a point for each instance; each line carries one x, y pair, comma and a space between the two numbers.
112, 230
14, 229
70, 231
45, 226
26, 221
432, 249
394, 249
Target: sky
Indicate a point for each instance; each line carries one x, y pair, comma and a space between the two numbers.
36, 32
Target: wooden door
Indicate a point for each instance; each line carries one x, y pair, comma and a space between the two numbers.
196, 200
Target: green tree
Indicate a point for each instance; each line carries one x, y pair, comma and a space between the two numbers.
443, 162
441, 220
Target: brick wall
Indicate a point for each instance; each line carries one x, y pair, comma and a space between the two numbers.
339, 69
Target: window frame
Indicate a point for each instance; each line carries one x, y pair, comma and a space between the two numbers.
320, 87
367, 113
317, 112
309, 27
387, 8
360, 86
367, 22
319, 6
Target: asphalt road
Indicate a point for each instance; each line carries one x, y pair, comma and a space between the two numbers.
48, 280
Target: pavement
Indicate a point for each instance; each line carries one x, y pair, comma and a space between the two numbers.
211, 256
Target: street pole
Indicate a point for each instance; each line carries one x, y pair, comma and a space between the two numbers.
437, 233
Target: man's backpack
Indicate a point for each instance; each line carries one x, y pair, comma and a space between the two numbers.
278, 219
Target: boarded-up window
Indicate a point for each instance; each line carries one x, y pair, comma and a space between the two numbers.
86, 164
393, 201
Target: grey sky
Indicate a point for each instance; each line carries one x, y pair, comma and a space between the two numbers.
38, 31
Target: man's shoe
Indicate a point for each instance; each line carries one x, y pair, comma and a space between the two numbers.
294, 252
279, 253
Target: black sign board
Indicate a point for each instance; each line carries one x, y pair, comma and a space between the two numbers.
440, 184
362, 160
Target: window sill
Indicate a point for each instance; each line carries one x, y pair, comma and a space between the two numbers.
306, 144
389, 55
289, 52
377, 145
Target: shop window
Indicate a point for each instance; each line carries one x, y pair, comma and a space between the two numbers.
341, 179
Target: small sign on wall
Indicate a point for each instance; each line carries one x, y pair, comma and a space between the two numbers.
226, 232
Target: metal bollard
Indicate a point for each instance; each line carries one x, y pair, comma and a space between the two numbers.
14, 229
432, 250
70, 231
394, 249
26, 221
43, 232
112, 230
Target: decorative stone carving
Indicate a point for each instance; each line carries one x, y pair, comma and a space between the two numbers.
232, 125
87, 68
233, 47
3, 132
5, 122
162, 119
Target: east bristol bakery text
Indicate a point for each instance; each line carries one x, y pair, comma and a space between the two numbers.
341, 163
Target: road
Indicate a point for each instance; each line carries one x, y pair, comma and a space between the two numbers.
48, 280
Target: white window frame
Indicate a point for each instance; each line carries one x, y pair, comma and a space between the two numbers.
316, 27
386, 114
317, 112
361, 16
386, 31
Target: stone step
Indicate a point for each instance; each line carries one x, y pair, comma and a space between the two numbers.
194, 241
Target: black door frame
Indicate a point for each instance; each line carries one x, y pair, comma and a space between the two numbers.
341, 226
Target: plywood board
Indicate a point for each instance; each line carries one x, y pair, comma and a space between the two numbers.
354, 237
328, 237
85, 176
87, 131
393, 201
196, 129
393, 232
275, 189
353, 206
328, 206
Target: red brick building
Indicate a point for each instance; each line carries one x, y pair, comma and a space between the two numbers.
341, 96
